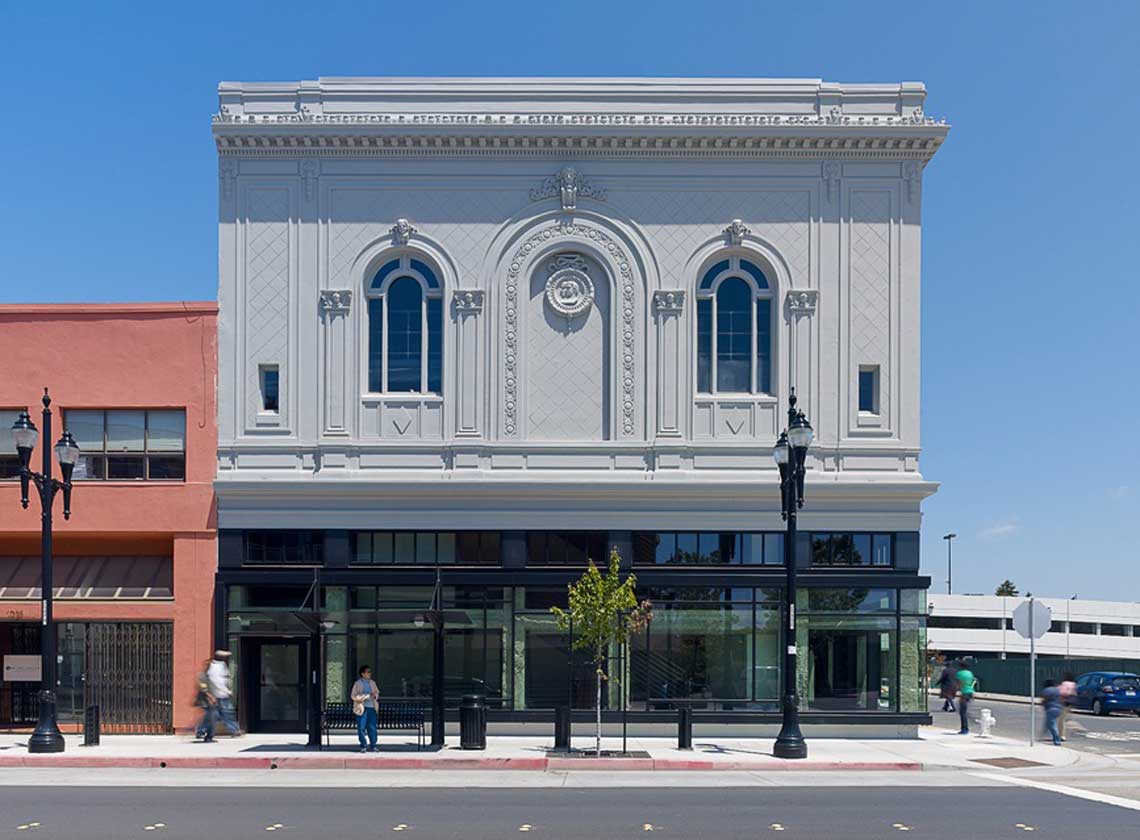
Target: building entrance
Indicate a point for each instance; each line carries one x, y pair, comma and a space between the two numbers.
276, 684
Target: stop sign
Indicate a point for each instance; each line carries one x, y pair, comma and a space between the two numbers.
1042, 618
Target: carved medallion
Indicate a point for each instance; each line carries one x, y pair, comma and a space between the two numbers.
569, 291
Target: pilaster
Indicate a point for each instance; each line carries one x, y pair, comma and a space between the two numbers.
335, 305
468, 306
668, 307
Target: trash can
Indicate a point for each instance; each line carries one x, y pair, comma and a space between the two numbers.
684, 728
91, 726
562, 728
472, 722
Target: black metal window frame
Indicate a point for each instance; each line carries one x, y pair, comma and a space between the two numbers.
383, 548
147, 458
770, 543
283, 547
832, 561
567, 548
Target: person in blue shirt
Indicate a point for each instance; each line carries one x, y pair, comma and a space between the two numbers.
365, 697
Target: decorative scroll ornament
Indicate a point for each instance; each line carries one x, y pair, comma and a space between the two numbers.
671, 302
468, 300
803, 301
569, 291
336, 300
568, 184
402, 231
735, 232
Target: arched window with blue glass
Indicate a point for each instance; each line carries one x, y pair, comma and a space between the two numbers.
734, 329
405, 328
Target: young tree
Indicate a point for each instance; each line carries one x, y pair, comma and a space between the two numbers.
1008, 588
604, 611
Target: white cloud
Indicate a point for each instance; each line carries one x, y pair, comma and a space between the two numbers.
999, 530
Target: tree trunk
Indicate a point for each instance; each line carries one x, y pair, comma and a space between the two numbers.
598, 714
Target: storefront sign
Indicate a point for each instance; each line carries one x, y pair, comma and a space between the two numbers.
22, 668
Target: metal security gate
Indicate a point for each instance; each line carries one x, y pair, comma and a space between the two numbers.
129, 675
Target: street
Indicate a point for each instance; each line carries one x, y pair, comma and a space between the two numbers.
1110, 735
469, 813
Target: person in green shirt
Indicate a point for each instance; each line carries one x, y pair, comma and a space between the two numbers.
966, 684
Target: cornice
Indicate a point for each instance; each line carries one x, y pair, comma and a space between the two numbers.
588, 117
248, 141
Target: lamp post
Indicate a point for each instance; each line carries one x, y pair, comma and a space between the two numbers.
949, 561
47, 737
790, 452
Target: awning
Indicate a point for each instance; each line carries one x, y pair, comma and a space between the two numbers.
129, 577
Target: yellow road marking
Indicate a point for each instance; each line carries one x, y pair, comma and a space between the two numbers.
647, 827
901, 827
776, 827
525, 827
400, 827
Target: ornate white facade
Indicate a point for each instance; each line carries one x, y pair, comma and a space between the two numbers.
569, 223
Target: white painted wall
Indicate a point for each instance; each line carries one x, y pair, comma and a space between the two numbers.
825, 179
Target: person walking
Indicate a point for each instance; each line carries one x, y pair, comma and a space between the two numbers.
204, 701
1051, 700
218, 685
1068, 689
947, 687
966, 684
365, 697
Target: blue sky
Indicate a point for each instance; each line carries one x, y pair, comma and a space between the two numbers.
1030, 288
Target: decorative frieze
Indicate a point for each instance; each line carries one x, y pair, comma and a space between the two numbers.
336, 301
567, 185
735, 232
468, 301
803, 301
402, 232
669, 302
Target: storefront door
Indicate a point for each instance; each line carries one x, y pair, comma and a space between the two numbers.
279, 700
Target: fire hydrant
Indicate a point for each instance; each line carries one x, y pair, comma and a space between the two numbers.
988, 722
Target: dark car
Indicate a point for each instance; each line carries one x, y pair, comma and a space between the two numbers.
1105, 692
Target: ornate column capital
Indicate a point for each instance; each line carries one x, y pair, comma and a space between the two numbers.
669, 302
802, 301
336, 301
468, 301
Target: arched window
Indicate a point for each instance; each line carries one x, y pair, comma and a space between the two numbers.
405, 328
734, 329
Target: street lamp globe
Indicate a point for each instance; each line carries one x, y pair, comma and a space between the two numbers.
67, 450
25, 434
780, 451
800, 432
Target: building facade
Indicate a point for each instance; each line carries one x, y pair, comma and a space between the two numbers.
135, 385
982, 626
493, 328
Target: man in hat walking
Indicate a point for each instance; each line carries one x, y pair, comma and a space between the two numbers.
218, 685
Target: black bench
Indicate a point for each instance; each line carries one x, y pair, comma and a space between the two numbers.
390, 717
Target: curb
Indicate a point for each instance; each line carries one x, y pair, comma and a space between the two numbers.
295, 762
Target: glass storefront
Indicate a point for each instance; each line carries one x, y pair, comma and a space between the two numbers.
714, 649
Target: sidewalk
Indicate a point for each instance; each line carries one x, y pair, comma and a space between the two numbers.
935, 749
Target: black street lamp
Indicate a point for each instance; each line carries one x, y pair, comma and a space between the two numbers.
790, 452
47, 737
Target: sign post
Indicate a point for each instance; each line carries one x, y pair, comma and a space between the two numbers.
1031, 620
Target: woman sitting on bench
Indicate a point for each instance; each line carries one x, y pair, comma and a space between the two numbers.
365, 697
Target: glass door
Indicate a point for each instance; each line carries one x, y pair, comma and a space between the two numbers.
280, 698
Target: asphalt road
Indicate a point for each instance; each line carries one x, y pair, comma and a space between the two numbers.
1109, 735
567, 814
